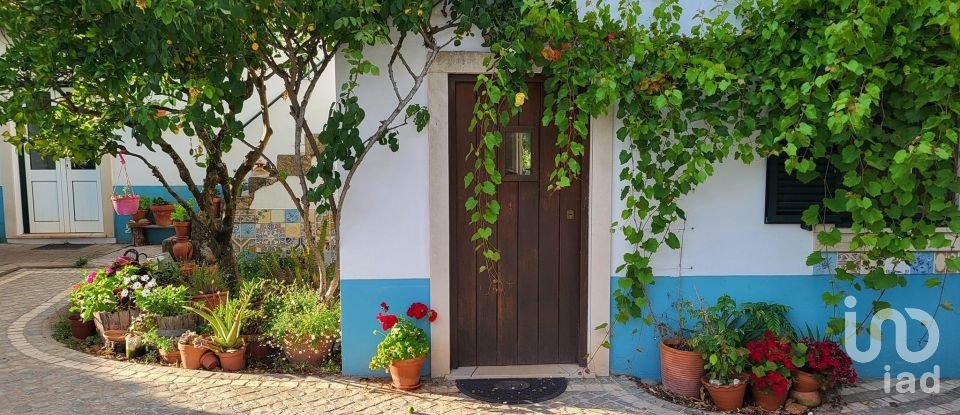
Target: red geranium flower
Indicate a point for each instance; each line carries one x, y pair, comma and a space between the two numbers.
384, 306
387, 321
418, 310
433, 315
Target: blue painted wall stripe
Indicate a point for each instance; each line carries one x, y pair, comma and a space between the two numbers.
634, 346
360, 301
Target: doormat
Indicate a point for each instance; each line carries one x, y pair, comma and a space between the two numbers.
58, 247
513, 391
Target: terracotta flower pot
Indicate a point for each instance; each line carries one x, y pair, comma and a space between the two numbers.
115, 336
182, 249
726, 397
808, 399
212, 300
139, 215
181, 229
209, 360
257, 347
769, 401
304, 351
805, 381
161, 214
172, 357
190, 356
406, 373
680, 370
81, 329
233, 360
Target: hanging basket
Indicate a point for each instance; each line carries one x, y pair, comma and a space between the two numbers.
127, 203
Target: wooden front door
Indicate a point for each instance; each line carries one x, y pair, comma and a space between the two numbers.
537, 315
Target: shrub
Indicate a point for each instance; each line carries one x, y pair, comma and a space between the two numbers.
302, 315
404, 340
164, 301
206, 280
720, 340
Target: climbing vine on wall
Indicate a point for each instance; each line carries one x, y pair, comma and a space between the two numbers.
870, 88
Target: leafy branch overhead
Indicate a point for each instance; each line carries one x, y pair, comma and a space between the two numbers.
870, 91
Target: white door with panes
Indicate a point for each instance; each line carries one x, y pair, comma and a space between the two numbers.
62, 196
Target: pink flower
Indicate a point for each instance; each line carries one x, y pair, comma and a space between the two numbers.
91, 276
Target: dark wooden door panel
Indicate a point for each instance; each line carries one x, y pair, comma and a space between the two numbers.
534, 314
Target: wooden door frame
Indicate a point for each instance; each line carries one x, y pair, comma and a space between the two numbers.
582, 330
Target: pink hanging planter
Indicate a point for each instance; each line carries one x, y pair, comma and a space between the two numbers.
127, 203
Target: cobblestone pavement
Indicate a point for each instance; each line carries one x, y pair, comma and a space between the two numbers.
38, 375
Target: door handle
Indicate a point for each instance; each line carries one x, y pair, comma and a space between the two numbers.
569, 214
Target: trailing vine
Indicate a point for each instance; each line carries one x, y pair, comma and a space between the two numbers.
868, 88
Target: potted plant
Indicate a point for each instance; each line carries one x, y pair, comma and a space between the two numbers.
405, 346
80, 329
305, 328
161, 210
166, 304
225, 321
103, 296
772, 360
182, 248
166, 346
681, 368
143, 208
719, 340
125, 203
208, 286
191, 346
827, 366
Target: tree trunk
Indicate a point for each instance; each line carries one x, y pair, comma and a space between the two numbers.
215, 244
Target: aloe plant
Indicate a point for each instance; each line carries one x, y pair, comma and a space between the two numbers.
227, 320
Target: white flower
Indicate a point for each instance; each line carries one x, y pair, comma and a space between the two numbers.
124, 293
151, 284
144, 278
126, 280
145, 292
136, 285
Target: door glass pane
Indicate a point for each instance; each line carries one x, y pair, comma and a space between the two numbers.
76, 165
37, 162
518, 156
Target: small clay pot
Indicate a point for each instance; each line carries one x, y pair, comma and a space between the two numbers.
172, 357
115, 336
233, 360
181, 229
140, 215
182, 249
209, 361
769, 401
190, 356
726, 397
805, 381
406, 373
808, 399
161, 214
257, 347
80, 329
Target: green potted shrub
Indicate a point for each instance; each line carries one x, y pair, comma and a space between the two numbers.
161, 210
142, 209
225, 322
405, 346
208, 286
166, 346
181, 222
719, 340
681, 368
166, 303
305, 328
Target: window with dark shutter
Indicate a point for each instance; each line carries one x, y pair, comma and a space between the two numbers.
788, 196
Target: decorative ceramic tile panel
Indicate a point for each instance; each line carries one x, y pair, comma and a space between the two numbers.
924, 263
826, 266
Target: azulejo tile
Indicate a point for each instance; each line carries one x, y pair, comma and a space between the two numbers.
850, 261
292, 230
245, 216
277, 216
291, 215
263, 216
922, 263
248, 230
827, 266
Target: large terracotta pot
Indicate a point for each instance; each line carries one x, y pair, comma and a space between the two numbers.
161, 214
406, 373
182, 249
181, 229
680, 370
81, 329
212, 300
769, 401
805, 382
233, 360
190, 356
726, 397
302, 350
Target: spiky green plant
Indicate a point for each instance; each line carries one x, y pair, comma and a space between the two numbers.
227, 319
